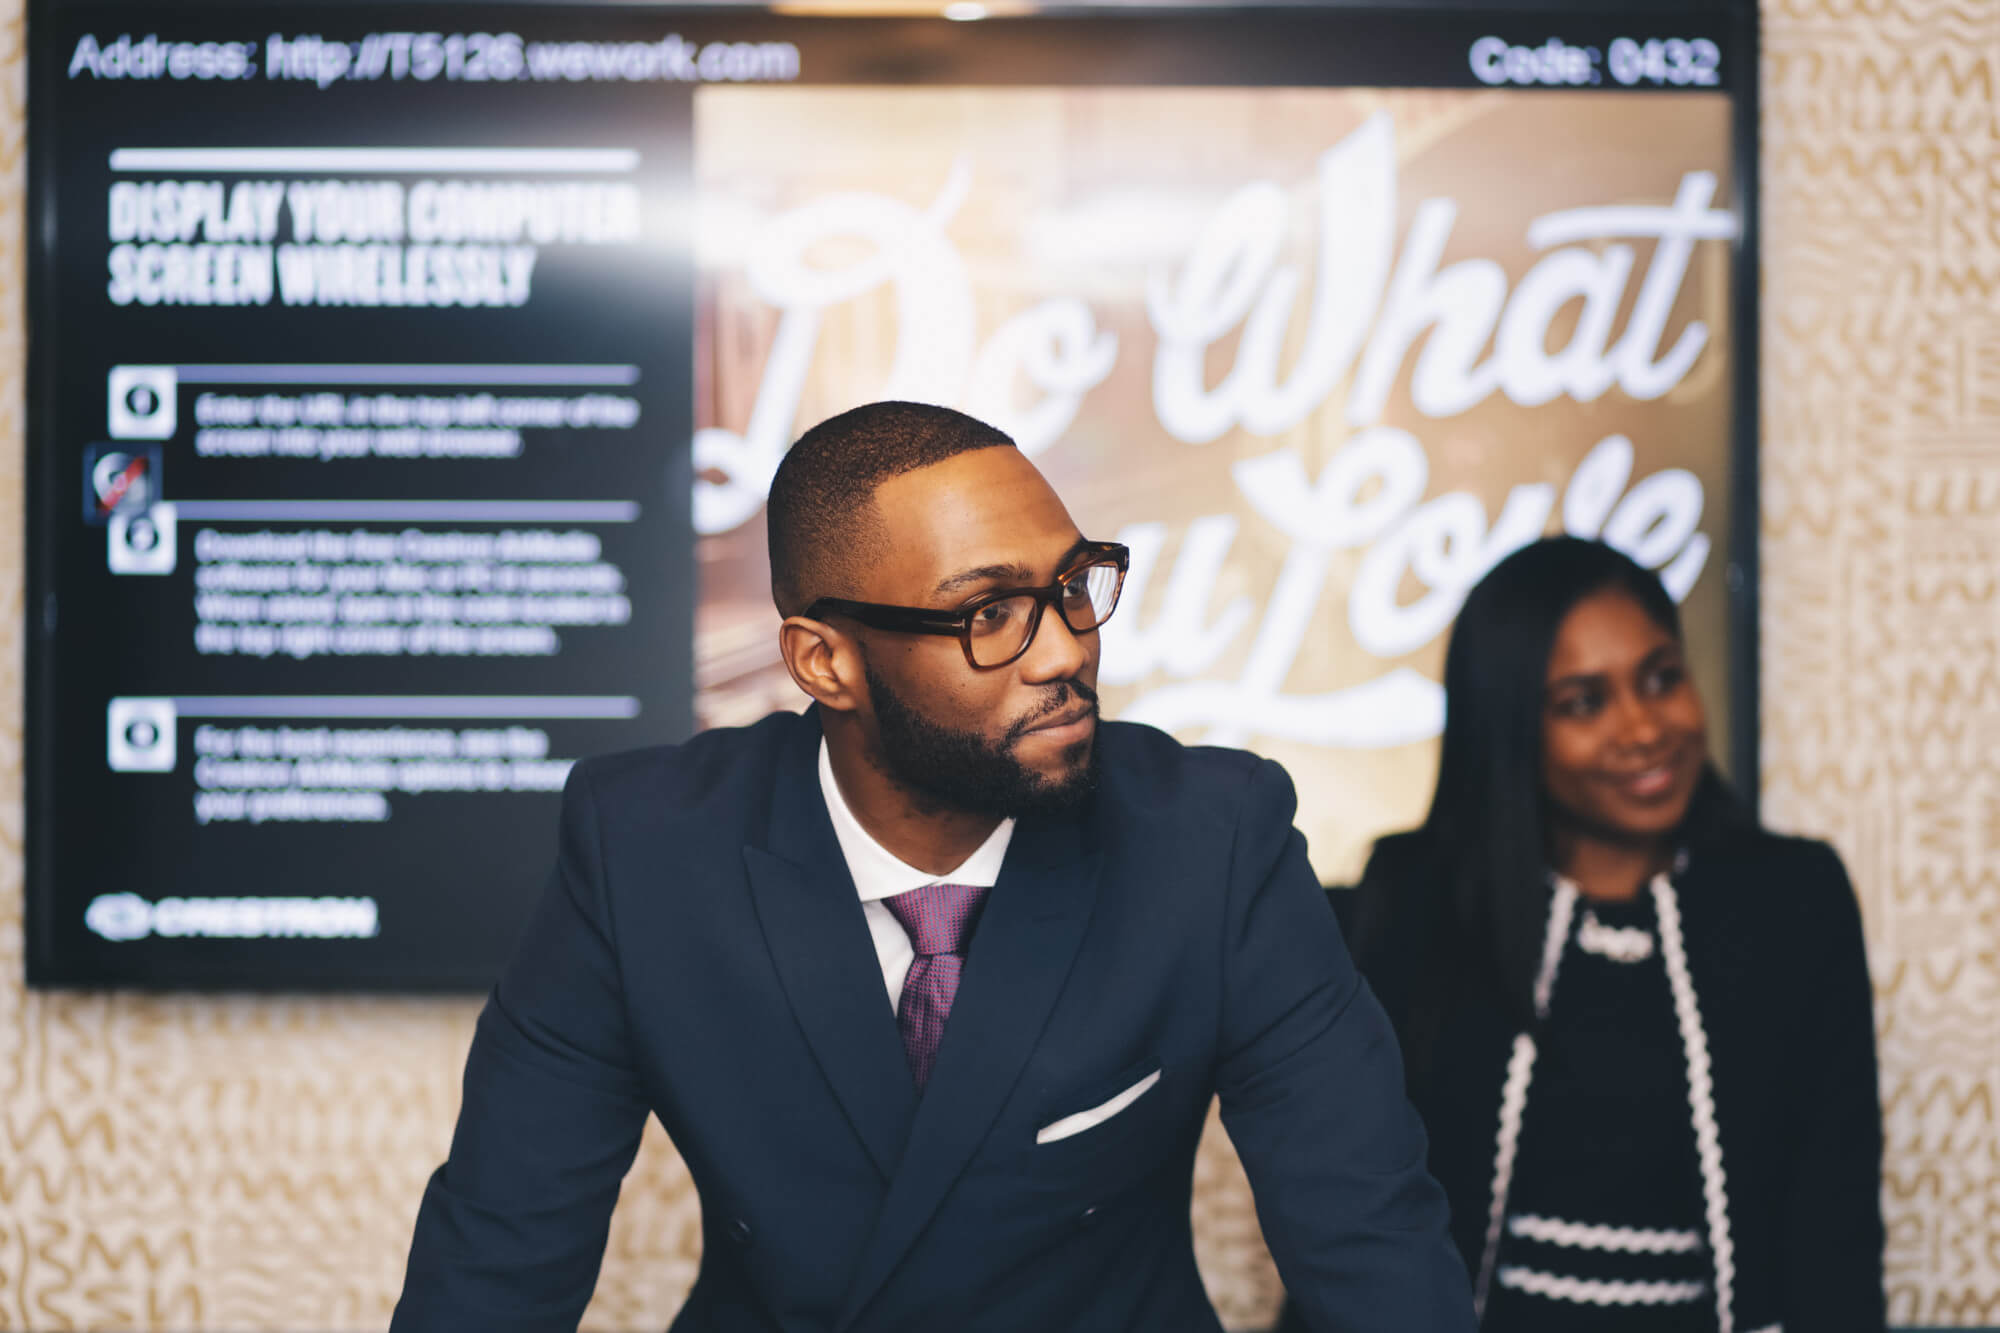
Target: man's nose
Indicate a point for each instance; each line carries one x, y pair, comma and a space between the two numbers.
1057, 652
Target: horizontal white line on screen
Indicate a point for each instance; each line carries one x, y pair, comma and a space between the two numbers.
408, 705
595, 161
408, 511
494, 375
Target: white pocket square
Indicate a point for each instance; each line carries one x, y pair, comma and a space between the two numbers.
1096, 1115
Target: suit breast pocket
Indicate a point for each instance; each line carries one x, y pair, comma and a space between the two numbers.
1105, 1132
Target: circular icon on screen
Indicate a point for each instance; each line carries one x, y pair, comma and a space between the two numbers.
140, 735
143, 542
141, 402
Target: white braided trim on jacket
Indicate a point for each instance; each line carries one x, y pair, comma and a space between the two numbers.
1514, 1095
1701, 1093
1589, 1236
1562, 908
1701, 1101
1593, 1291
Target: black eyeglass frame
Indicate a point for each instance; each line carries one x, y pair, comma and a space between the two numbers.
958, 623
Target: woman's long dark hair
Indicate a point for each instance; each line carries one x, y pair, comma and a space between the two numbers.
1487, 831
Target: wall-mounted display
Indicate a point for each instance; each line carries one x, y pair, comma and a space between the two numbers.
406, 382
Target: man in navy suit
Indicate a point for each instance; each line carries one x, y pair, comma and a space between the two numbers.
931, 986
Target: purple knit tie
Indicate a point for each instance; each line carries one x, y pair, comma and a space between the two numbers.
939, 918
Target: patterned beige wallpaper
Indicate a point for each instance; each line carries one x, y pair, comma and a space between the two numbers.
1881, 519
240, 1164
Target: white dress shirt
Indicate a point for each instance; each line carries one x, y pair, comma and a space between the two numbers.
879, 874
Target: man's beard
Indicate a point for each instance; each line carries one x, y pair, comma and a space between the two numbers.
962, 770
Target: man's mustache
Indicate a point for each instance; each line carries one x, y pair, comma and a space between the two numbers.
1057, 701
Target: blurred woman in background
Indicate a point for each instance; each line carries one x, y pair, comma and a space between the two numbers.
1638, 1027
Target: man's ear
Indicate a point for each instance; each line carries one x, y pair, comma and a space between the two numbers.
824, 662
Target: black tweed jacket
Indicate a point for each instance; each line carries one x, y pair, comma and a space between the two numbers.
1774, 952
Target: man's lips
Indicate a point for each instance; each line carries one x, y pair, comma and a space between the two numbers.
1070, 725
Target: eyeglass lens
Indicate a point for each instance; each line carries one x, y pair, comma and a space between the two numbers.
1000, 630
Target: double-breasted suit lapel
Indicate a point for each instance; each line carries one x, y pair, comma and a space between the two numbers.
825, 958
1021, 954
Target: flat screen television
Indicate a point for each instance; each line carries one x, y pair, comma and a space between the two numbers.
405, 383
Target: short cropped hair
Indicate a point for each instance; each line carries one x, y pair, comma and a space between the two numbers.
821, 521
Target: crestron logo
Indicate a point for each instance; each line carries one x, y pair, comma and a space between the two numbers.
126, 916
119, 916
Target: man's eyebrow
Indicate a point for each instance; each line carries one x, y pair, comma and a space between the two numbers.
986, 573
1019, 575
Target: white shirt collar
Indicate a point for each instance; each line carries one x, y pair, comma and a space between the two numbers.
877, 872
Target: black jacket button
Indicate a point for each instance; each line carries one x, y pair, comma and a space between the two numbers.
739, 1231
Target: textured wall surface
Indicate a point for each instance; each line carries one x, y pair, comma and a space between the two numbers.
231, 1163
1881, 518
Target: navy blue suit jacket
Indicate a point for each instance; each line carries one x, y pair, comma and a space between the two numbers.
701, 954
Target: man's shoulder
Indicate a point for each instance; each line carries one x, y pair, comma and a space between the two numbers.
720, 763
1147, 770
